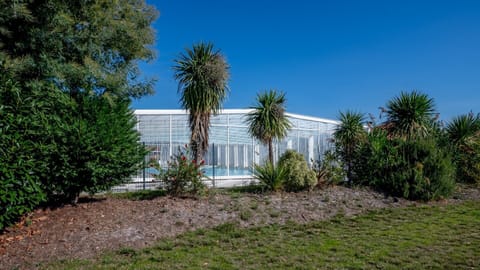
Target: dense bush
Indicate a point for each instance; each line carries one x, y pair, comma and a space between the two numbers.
413, 169
298, 176
271, 177
94, 146
19, 187
183, 175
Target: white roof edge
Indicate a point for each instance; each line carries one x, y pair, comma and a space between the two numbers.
232, 111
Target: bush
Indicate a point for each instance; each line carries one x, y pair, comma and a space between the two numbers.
271, 177
183, 176
19, 187
329, 170
467, 159
297, 174
413, 169
92, 146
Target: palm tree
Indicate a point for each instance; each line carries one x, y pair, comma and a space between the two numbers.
348, 136
268, 121
202, 75
462, 127
410, 115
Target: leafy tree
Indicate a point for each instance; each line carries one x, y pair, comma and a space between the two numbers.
267, 121
77, 63
348, 137
202, 75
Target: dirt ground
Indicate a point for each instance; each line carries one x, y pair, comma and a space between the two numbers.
99, 224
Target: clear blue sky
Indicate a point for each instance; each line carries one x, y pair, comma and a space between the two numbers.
328, 56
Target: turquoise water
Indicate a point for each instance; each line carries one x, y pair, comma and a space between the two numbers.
222, 171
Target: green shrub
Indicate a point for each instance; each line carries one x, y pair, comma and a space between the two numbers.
329, 170
271, 177
467, 159
298, 175
183, 176
19, 187
413, 169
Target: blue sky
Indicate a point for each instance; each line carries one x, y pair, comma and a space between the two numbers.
328, 56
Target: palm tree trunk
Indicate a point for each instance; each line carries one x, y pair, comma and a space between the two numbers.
270, 151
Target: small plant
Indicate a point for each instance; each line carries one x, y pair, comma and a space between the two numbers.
297, 174
271, 177
329, 170
183, 175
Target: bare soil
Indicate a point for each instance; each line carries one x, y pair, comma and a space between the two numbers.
99, 224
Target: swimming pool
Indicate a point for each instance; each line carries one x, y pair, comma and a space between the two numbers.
222, 171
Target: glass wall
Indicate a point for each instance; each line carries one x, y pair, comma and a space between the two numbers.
232, 152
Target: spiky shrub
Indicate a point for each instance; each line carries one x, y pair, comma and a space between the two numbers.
271, 177
298, 175
348, 137
463, 134
183, 175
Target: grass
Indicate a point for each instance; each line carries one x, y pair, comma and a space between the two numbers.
426, 237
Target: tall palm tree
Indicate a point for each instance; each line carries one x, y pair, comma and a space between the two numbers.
410, 115
348, 136
268, 121
202, 74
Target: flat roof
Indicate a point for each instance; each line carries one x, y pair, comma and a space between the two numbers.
234, 111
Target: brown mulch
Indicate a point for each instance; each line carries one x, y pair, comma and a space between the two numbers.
95, 225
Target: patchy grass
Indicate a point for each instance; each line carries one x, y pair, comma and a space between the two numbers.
426, 237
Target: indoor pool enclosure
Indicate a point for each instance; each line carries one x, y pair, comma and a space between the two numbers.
232, 151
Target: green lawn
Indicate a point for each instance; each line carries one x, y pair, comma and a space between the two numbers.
440, 237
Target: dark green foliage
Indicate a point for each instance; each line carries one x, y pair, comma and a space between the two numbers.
202, 75
463, 134
267, 121
413, 169
271, 177
19, 188
66, 126
404, 155
298, 176
98, 149
183, 175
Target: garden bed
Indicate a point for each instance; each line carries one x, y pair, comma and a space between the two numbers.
106, 223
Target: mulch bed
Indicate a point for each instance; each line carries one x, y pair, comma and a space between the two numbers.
99, 224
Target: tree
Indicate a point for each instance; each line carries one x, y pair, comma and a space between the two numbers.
77, 62
348, 137
410, 115
202, 75
268, 121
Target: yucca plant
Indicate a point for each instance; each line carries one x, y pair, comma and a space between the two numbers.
271, 177
348, 137
463, 133
202, 75
410, 115
268, 121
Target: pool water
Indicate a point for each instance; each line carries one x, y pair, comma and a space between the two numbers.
222, 171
